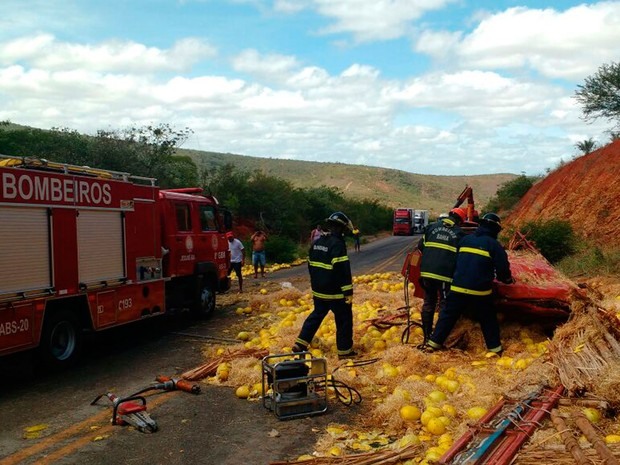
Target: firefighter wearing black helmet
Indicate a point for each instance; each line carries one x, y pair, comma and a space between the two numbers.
438, 246
480, 259
332, 286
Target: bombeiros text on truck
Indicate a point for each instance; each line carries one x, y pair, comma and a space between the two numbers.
90, 249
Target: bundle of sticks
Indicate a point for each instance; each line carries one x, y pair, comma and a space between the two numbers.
586, 351
210, 368
383, 457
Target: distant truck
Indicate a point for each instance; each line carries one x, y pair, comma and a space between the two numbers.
403, 222
420, 221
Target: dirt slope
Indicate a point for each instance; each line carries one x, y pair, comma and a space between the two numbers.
585, 192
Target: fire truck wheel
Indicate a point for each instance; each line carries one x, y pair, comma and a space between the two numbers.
61, 340
205, 303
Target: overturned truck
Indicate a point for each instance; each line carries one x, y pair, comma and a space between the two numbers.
540, 292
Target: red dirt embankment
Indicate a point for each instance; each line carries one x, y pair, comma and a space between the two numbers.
585, 192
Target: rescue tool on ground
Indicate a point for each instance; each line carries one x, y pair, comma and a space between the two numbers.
297, 385
86, 249
173, 384
130, 411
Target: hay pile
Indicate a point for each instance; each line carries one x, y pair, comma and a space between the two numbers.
451, 383
586, 351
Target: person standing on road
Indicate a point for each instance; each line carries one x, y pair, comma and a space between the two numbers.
258, 252
438, 246
237, 257
480, 259
316, 233
332, 287
356, 239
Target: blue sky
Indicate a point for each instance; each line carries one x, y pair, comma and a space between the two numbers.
426, 86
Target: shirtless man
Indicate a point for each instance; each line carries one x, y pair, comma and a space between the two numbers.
258, 252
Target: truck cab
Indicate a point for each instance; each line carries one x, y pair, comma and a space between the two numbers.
194, 247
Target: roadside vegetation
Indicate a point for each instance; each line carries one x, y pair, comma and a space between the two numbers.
556, 239
509, 194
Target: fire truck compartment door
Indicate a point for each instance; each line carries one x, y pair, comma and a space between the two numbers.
24, 250
106, 308
100, 246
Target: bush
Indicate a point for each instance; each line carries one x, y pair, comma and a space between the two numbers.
281, 249
591, 261
509, 194
554, 238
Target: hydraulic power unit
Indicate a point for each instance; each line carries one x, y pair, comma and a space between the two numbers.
294, 385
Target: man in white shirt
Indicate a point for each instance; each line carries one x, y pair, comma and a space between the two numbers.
237, 257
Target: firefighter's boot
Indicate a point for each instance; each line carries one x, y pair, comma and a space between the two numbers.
427, 327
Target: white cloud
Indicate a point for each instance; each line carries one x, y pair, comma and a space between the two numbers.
273, 67
377, 19
558, 44
291, 6
26, 16
45, 51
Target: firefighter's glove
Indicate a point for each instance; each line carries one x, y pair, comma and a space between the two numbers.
348, 300
510, 280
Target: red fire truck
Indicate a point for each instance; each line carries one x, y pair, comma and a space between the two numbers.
87, 249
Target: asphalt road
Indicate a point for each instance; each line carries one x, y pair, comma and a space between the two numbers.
213, 427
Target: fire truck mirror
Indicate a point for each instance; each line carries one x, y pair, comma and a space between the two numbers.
228, 222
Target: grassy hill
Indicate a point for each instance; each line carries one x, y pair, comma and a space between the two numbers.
391, 187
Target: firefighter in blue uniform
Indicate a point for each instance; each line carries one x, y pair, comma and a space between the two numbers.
332, 286
480, 259
438, 247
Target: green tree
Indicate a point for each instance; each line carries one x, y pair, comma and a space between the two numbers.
599, 96
510, 193
586, 146
148, 151
58, 144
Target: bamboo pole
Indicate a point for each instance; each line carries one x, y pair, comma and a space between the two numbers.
603, 451
210, 368
570, 442
593, 403
384, 457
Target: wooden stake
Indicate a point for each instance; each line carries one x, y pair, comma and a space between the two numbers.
586, 427
570, 442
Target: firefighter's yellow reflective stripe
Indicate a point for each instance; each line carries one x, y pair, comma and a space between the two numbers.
426, 274
345, 352
348, 287
434, 345
484, 253
327, 296
340, 259
327, 266
463, 290
439, 245
448, 221
496, 349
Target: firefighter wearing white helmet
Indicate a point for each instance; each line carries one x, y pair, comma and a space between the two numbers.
480, 259
332, 286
